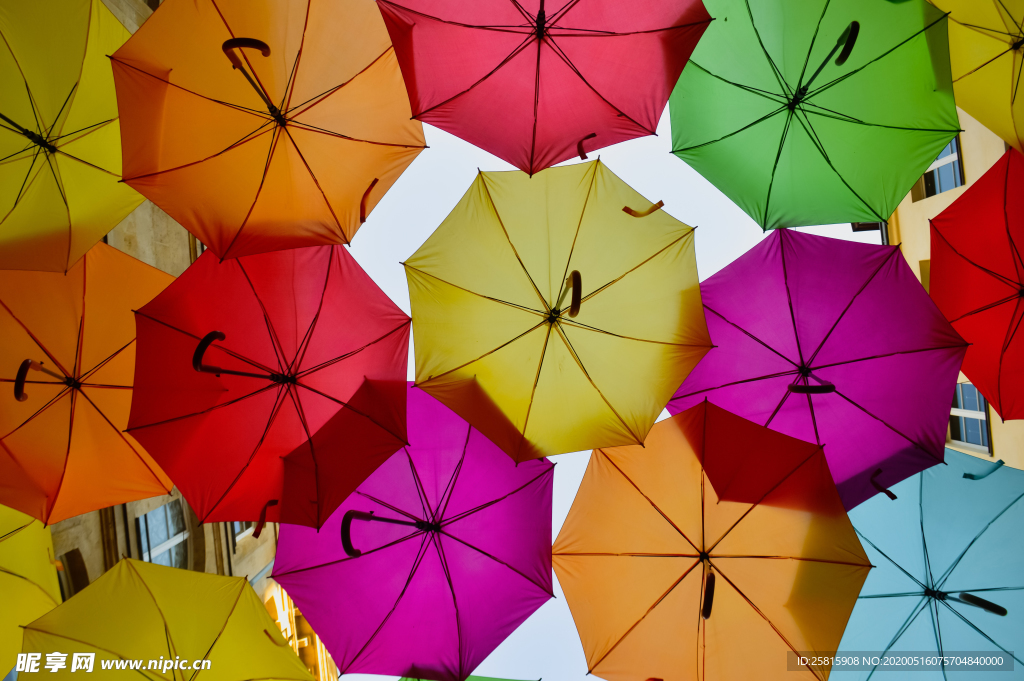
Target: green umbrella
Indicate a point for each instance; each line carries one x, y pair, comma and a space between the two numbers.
808, 112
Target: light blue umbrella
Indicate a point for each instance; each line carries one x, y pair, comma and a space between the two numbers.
949, 577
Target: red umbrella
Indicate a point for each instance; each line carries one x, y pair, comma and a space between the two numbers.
537, 83
270, 386
978, 280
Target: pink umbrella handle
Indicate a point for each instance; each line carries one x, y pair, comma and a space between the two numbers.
709, 596
579, 146
263, 518
642, 214
362, 204
887, 492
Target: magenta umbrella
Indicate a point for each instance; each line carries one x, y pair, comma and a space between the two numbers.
433, 561
834, 343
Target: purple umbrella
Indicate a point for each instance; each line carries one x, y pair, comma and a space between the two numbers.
433, 561
835, 343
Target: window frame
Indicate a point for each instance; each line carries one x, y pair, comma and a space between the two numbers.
142, 532
982, 415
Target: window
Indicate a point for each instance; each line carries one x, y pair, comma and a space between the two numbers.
162, 536
944, 174
72, 575
968, 420
241, 528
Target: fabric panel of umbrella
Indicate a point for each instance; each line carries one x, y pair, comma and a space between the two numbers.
261, 126
978, 280
67, 360
442, 553
535, 84
816, 112
949, 566
836, 343
270, 386
669, 579
60, 142
556, 313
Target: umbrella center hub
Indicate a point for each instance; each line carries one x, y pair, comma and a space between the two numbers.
41, 141
937, 595
553, 315
72, 383
804, 370
1019, 44
704, 556
278, 117
424, 526
539, 27
284, 379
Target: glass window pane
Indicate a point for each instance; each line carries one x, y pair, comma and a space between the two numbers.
973, 431
176, 517
945, 177
970, 397
929, 183
162, 559
158, 530
958, 176
178, 556
955, 430
946, 151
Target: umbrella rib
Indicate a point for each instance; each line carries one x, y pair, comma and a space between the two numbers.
83, 132
3, 161
526, 15
543, 588
596, 554
771, 96
8, 535
918, 609
650, 501
752, 337
560, 14
571, 32
808, 107
275, 342
890, 427
703, 458
576, 235
986, 308
303, 346
456, 518
449, 490
741, 382
979, 631
933, 611
886, 556
1010, 333
785, 280
420, 384
278, 403
945, 575
1005, 280
327, 201
1018, 261
420, 491
297, 403
801, 559
359, 412
307, 127
263, 88
340, 358
24, 184
389, 506
810, 49
883, 356
220, 633
688, 233
264, 389
53, 400
642, 617
275, 138
478, 295
86, 163
533, 392
289, 86
167, 629
26, 579
67, 456
502, 28
104, 362
223, 349
924, 540
781, 81
536, 102
919, 594
435, 539
731, 134
29, 627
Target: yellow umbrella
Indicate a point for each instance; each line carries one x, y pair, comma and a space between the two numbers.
28, 580
186, 622
60, 142
986, 46
556, 313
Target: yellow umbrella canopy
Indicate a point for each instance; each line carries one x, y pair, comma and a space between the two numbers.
141, 611
60, 142
986, 47
28, 579
556, 313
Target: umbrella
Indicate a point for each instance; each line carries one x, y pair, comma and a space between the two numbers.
28, 579
270, 386
260, 125
557, 313
671, 576
536, 84
985, 41
60, 148
979, 280
836, 343
950, 567
66, 365
819, 112
443, 552
469, 678
187, 623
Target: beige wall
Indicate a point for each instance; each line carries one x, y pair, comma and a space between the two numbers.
909, 227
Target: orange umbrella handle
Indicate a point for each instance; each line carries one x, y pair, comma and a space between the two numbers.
234, 43
878, 486
579, 146
643, 213
576, 282
346, 528
709, 596
362, 204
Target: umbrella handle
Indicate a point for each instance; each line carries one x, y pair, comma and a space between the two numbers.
235, 43
977, 602
19, 381
197, 356
579, 146
848, 39
887, 492
263, 518
362, 204
812, 389
346, 528
995, 466
709, 596
643, 213
576, 283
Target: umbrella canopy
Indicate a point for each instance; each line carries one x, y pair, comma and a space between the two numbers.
985, 41
28, 580
836, 343
556, 313
67, 355
667, 576
263, 125
978, 280
536, 83
816, 112
443, 552
949, 566
60, 142
270, 386
141, 611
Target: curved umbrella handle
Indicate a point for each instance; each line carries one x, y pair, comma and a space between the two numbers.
579, 146
643, 213
19, 380
709, 596
362, 204
197, 356
236, 43
987, 606
822, 389
995, 466
346, 531
576, 283
263, 518
884, 490
848, 39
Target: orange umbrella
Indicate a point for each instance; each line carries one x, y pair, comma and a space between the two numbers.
668, 579
262, 126
67, 360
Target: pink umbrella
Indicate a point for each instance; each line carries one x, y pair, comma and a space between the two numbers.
834, 343
433, 561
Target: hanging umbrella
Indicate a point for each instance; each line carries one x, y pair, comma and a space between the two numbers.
536, 84
949, 567
261, 126
669, 577
270, 386
836, 343
819, 112
556, 313
60, 153
443, 552
67, 354
978, 280
985, 41
207, 625
28, 580
469, 678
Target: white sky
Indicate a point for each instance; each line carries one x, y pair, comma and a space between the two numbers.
547, 645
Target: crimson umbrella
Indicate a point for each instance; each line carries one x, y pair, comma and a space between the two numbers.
268, 387
536, 83
978, 280
433, 561
835, 343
